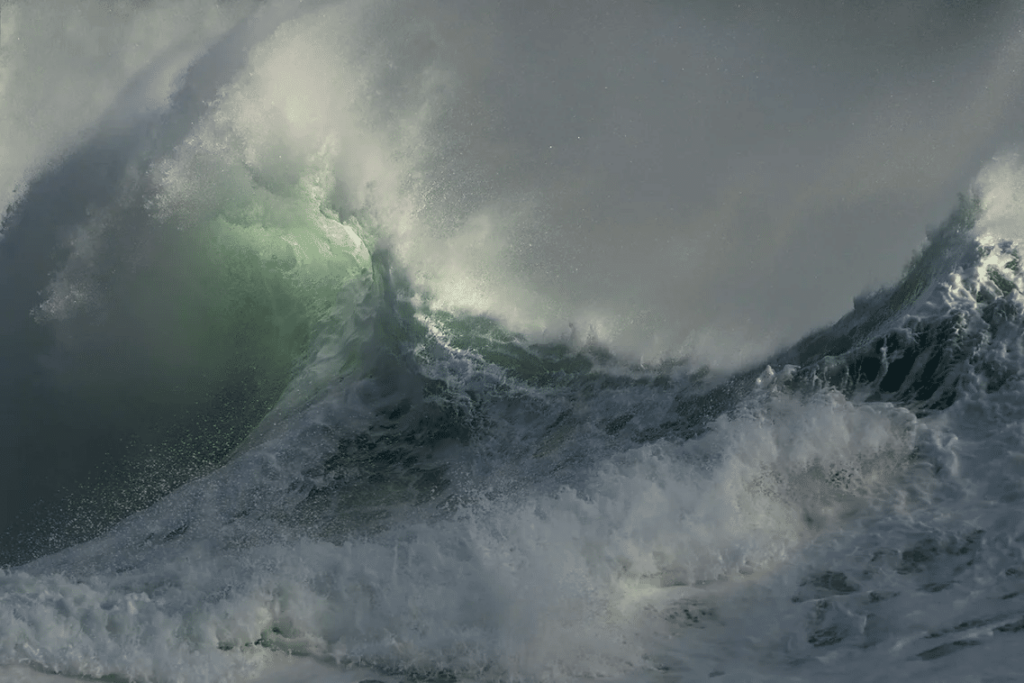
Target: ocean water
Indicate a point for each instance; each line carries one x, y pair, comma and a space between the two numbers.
290, 395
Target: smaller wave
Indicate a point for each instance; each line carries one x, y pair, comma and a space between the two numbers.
919, 343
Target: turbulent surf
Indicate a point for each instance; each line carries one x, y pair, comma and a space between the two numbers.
263, 426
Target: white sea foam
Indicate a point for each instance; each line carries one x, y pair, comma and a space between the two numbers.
544, 588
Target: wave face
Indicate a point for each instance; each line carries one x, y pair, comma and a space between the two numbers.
281, 401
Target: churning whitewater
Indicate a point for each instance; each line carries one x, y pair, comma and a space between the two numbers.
289, 393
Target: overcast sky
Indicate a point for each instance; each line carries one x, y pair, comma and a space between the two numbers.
729, 177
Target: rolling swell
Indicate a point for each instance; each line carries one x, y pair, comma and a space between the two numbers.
471, 385
416, 452
428, 392
474, 396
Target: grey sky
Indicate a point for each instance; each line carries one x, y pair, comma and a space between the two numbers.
725, 177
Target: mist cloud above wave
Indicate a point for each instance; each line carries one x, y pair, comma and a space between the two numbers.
729, 178
674, 178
